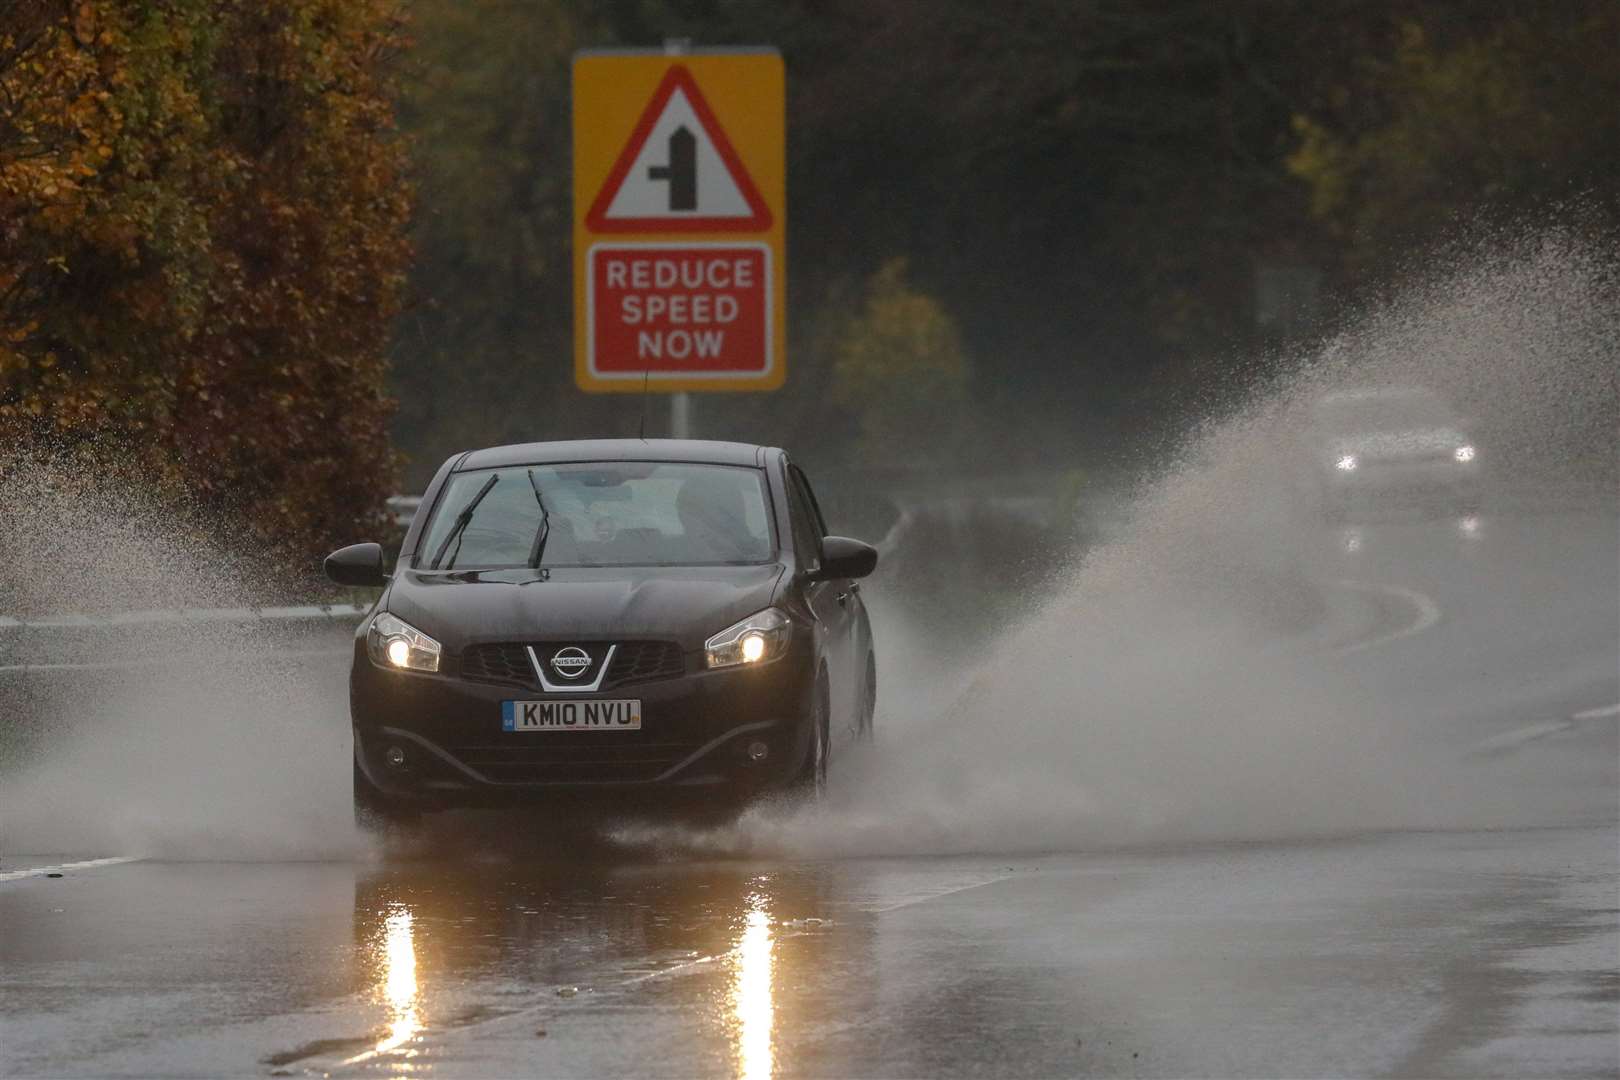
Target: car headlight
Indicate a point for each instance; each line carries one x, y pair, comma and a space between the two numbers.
1346, 463
758, 639
1463, 453
394, 643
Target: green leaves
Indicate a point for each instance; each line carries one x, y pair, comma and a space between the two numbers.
1501, 118
902, 369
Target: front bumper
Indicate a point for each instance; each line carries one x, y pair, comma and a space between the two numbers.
1406, 484
695, 731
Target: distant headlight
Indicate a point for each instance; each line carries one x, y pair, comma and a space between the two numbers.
1347, 463
394, 643
758, 639
1464, 453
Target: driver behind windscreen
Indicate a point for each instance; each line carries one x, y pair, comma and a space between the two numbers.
710, 506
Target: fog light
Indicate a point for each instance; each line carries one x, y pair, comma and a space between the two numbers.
758, 751
395, 756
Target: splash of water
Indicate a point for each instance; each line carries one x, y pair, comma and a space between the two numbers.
175, 739
1150, 700
1154, 701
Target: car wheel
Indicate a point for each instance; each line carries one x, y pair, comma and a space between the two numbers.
869, 687
374, 811
811, 783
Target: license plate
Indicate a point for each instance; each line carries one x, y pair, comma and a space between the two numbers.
621, 714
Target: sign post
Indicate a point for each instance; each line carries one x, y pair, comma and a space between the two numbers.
679, 222
680, 405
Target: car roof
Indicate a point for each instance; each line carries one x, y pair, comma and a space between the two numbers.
546, 453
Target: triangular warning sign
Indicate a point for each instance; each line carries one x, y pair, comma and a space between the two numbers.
678, 172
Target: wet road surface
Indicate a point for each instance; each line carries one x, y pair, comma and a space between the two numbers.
1460, 953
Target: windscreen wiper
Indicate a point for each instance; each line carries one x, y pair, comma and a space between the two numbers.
544, 531
454, 535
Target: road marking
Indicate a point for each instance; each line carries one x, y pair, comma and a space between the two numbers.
936, 894
1512, 740
88, 864
1428, 613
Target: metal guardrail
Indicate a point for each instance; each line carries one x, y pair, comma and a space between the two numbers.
402, 508
180, 617
45, 644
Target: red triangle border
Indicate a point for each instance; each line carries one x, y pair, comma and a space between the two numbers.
678, 77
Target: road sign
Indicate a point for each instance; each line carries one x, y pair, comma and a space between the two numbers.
678, 172
679, 221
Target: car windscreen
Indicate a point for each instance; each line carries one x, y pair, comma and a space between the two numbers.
611, 513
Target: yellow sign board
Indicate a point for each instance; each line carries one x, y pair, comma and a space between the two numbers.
680, 217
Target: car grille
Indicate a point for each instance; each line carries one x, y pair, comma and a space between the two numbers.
639, 661
621, 761
633, 662
504, 663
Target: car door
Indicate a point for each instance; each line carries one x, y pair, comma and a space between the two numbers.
834, 602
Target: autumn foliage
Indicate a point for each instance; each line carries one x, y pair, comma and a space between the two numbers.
202, 248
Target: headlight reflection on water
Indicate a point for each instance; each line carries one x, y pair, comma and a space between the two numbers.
395, 956
752, 1011
399, 989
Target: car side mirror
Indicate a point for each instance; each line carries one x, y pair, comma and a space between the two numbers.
842, 557
357, 564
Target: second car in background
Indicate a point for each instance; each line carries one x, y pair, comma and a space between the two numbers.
1390, 449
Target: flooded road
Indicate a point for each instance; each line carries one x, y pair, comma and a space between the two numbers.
851, 940
1213, 409
1427, 954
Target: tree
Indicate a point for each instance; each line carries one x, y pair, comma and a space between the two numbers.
1490, 119
902, 370
1075, 182
203, 207
1093, 189
483, 353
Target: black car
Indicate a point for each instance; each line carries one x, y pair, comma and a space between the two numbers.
614, 618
